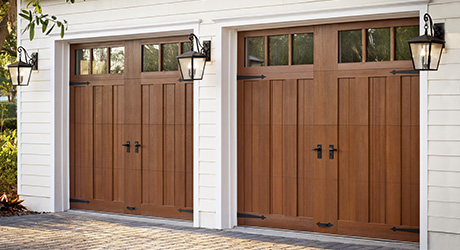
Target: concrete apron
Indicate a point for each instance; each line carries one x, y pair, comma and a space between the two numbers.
330, 238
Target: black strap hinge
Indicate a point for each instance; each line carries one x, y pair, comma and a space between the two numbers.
319, 224
241, 215
394, 72
79, 83
185, 210
249, 77
131, 208
409, 230
77, 200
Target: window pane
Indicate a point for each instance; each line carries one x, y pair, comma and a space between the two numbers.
186, 47
402, 34
169, 51
302, 49
255, 51
150, 57
278, 50
100, 61
378, 45
82, 61
117, 60
350, 46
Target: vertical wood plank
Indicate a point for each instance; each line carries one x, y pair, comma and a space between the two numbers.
377, 150
393, 151
169, 147
277, 164
290, 147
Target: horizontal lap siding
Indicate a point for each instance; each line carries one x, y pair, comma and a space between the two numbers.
443, 134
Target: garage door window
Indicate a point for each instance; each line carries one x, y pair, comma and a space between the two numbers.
98, 61
281, 50
381, 44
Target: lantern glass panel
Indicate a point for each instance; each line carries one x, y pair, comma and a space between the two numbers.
198, 67
426, 55
436, 50
14, 75
185, 68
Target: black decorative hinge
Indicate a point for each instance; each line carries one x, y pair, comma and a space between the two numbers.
131, 208
249, 77
78, 83
77, 200
394, 72
241, 215
319, 224
185, 210
409, 230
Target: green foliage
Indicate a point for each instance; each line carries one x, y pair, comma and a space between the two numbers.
8, 162
36, 18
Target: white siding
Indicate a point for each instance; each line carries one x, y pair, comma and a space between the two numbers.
444, 134
36, 109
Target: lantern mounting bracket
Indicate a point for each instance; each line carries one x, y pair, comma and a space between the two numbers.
205, 48
32, 59
438, 30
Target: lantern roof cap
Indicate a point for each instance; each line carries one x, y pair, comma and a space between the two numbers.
20, 64
426, 39
191, 54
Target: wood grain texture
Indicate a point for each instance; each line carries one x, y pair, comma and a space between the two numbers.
370, 115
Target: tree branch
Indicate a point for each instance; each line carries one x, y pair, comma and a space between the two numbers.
10, 51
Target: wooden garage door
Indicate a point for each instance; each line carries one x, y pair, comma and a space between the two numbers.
330, 86
128, 92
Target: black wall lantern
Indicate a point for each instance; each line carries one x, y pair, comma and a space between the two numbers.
426, 49
192, 63
20, 71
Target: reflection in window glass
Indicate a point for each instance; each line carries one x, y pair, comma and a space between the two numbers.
100, 61
402, 34
186, 47
350, 46
255, 51
169, 51
302, 49
278, 50
150, 56
117, 60
82, 61
378, 45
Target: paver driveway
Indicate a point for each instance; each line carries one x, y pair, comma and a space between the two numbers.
82, 230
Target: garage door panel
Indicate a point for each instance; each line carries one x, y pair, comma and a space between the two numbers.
368, 185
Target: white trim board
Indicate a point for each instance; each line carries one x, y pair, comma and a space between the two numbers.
226, 54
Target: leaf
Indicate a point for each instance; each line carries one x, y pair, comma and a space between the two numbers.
38, 8
53, 17
62, 31
32, 31
24, 16
49, 31
59, 24
44, 25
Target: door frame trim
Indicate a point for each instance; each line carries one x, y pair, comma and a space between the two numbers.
226, 60
60, 97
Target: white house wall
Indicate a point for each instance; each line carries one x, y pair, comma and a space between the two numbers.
35, 107
444, 134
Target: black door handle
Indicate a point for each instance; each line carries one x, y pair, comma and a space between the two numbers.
319, 150
331, 151
127, 145
136, 147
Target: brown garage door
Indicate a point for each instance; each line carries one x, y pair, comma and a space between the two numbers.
128, 92
330, 86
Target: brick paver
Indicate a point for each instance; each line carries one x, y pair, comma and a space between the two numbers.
72, 230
